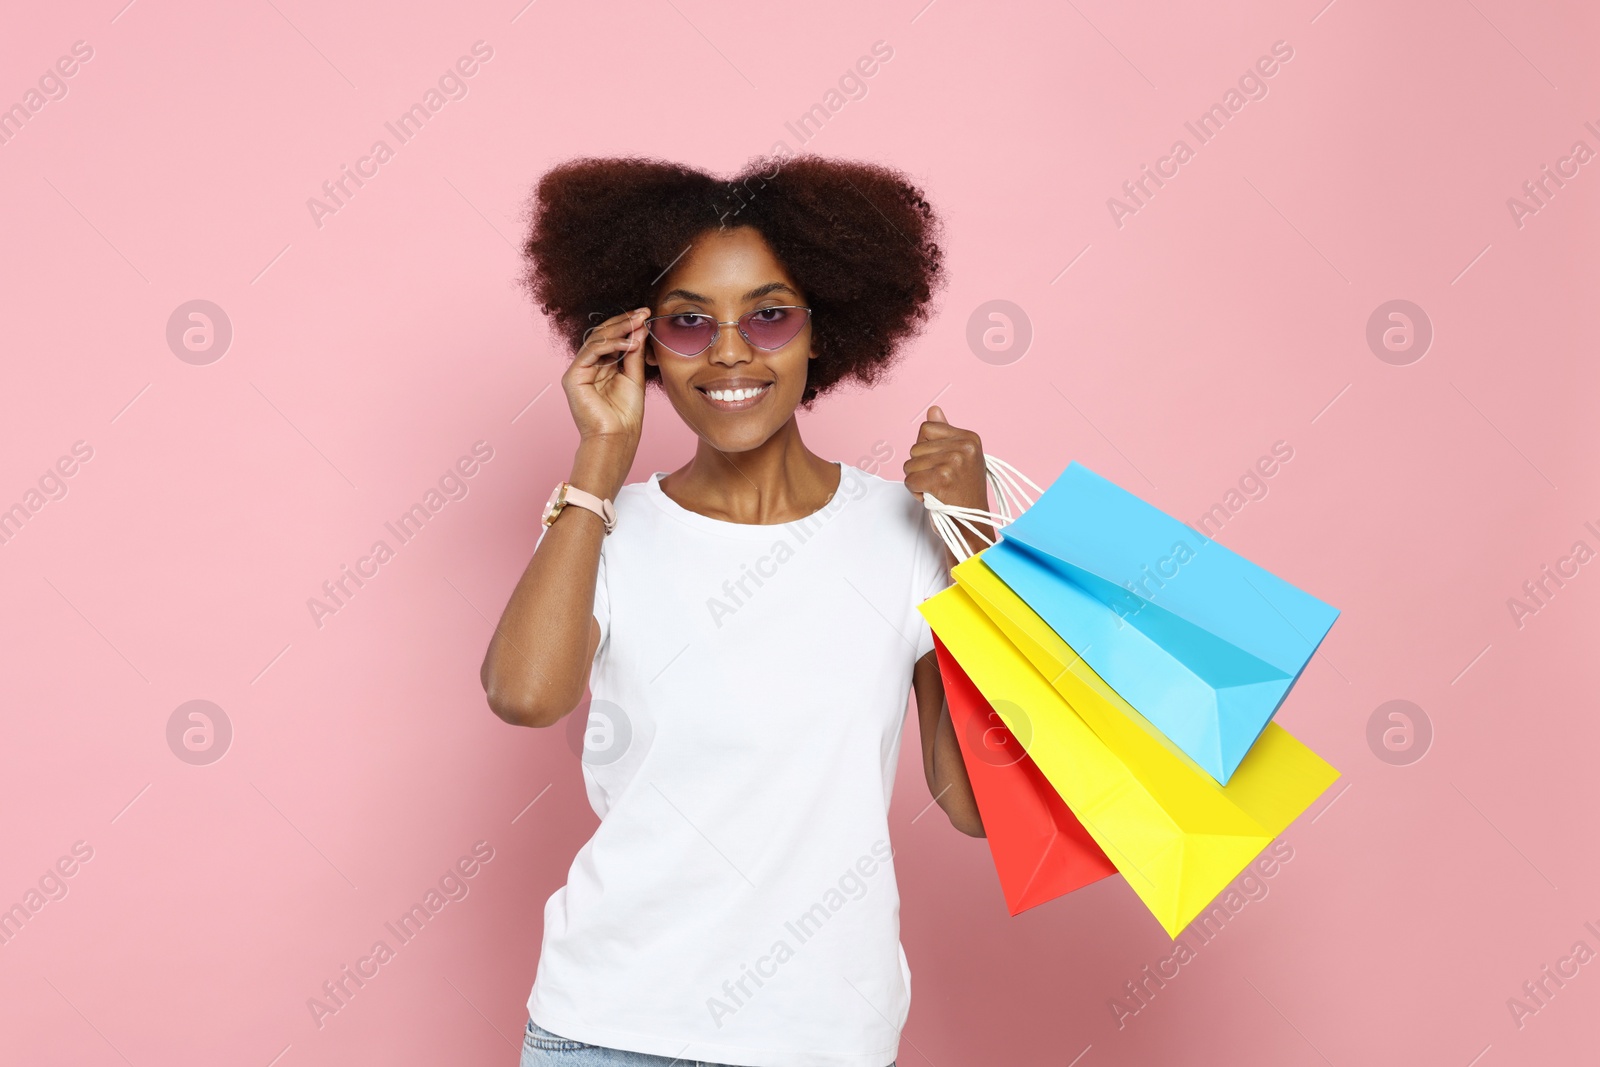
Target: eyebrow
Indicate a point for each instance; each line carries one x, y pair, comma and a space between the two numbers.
754, 294
768, 289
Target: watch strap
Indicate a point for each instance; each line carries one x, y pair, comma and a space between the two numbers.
571, 494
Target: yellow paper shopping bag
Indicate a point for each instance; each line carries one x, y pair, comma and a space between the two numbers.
1176, 835
1287, 777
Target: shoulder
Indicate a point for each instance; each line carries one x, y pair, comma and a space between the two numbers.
634, 493
899, 537
884, 501
640, 518
638, 498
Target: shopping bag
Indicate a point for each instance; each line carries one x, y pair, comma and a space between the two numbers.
1203, 642
1040, 850
1176, 835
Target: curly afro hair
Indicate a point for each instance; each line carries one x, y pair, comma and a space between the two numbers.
860, 239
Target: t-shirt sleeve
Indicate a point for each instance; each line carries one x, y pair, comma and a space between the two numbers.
602, 601
930, 575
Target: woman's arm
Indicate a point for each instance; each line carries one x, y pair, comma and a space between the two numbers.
941, 754
948, 462
537, 665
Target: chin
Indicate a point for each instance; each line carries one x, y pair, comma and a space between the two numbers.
734, 440
734, 431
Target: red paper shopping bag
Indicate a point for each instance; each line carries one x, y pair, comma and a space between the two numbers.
1040, 849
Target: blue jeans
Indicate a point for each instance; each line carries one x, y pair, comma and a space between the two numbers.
541, 1048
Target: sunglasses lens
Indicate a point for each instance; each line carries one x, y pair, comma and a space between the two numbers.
687, 335
772, 328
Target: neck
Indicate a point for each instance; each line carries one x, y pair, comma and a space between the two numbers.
779, 480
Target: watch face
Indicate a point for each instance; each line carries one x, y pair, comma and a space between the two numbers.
557, 501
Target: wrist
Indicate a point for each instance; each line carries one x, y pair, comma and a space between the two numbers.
601, 466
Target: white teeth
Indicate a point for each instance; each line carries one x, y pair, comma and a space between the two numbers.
732, 395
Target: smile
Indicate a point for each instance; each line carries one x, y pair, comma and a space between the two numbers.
735, 399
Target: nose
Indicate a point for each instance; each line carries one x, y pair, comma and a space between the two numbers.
730, 348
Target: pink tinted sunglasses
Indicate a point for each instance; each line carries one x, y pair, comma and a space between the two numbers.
689, 333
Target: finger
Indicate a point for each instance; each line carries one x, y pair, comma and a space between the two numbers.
632, 363
915, 482
608, 350
936, 414
940, 465
603, 329
930, 481
938, 430
598, 338
944, 475
961, 444
624, 347
616, 326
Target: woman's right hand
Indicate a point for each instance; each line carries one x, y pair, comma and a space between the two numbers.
606, 393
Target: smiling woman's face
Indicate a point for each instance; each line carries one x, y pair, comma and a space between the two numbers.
733, 394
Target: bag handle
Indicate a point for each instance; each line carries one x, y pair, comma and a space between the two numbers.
1012, 499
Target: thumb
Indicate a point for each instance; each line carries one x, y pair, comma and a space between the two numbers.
936, 414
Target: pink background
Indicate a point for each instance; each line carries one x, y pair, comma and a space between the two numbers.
1227, 314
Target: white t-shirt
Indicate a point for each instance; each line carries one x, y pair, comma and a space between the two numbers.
738, 903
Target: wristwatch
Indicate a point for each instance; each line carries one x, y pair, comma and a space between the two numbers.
566, 493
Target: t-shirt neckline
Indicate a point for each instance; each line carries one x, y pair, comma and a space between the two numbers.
653, 490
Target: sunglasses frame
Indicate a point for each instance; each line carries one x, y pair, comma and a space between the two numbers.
717, 326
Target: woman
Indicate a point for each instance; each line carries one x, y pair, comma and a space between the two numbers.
746, 624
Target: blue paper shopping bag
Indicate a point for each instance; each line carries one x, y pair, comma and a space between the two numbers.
1202, 642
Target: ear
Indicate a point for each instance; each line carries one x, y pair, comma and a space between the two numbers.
650, 353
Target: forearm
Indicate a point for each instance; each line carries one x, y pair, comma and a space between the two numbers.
537, 663
942, 762
948, 780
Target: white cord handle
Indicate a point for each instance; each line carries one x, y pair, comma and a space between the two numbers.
950, 519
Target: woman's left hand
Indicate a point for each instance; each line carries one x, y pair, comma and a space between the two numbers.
947, 461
